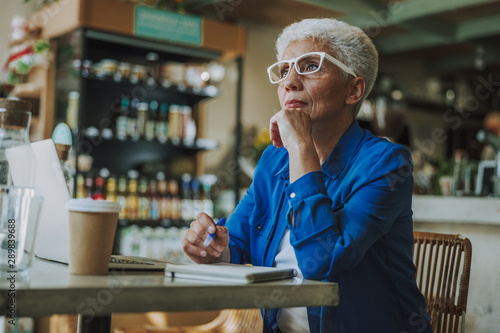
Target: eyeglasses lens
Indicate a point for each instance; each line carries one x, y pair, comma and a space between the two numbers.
307, 64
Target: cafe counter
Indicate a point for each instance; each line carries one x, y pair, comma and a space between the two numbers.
463, 210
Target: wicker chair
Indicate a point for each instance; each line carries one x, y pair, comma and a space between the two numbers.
443, 264
228, 321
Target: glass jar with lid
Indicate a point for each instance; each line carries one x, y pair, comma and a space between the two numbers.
15, 117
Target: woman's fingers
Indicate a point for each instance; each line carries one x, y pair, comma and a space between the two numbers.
274, 131
195, 236
191, 242
219, 242
289, 126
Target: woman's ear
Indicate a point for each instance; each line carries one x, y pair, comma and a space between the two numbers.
356, 89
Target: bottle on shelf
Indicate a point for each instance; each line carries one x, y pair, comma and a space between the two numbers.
89, 186
460, 162
175, 201
122, 119
146, 240
111, 194
159, 242
159, 236
175, 123
164, 204
104, 173
196, 197
151, 122
72, 111
133, 132
162, 124
99, 189
137, 73
188, 125
80, 186
144, 203
100, 184
121, 196
208, 204
123, 71
152, 69
470, 177
154, 208
87, 68
187, 199
142, 119
132, 207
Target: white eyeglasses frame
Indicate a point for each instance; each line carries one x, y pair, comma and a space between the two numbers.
275, 80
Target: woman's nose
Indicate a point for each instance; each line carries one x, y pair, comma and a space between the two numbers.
293, 80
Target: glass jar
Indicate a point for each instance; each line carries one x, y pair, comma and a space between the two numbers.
138, 73
15, 117
109, 66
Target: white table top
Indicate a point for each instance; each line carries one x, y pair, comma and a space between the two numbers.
51, 289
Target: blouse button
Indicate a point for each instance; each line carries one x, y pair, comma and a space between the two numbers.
259, 228
292, 195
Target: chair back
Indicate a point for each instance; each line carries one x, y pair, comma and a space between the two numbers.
443, 264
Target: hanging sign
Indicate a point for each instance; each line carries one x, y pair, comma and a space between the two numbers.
165, 25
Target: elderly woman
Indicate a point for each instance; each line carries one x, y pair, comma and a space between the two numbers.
328, 198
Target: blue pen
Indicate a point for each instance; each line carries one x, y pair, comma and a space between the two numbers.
210, 237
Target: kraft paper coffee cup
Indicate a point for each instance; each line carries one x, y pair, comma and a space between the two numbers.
92, 227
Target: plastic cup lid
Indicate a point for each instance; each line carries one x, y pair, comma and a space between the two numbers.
92, 206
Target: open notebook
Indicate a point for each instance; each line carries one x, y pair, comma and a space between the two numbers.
223, 272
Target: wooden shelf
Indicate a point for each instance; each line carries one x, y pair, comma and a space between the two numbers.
207, 92
118, 17
122, 223
35, 91
120, 156
197, 145
27, 90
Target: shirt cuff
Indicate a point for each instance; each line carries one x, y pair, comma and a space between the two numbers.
309, 184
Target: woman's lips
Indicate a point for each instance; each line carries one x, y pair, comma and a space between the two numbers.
295, 103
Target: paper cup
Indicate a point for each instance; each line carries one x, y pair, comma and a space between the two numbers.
92, 227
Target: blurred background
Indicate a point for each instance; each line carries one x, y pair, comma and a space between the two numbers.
437, 93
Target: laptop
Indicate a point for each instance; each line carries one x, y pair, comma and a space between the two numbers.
52, 237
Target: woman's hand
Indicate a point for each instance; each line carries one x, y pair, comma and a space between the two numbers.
192, 244
290, 128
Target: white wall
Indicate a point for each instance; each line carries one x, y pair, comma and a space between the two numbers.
259, 98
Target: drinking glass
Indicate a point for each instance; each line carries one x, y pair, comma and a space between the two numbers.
19, 212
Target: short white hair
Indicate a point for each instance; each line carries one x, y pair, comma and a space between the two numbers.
351, 45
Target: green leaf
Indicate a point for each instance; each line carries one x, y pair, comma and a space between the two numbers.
41, 46
22, 67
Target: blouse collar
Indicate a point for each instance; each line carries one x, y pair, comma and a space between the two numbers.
345, 149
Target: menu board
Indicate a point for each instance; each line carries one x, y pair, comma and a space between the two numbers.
169, 26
